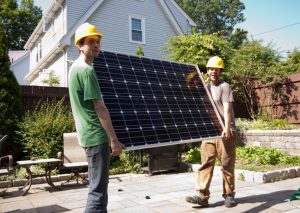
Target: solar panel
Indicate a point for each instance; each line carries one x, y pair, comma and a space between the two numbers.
151, 104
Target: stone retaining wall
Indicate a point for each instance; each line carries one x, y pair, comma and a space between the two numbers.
287, 141
255, 177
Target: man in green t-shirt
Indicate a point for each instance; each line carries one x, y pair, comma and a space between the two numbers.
92, 119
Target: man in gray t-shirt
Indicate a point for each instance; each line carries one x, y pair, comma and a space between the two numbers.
223, 148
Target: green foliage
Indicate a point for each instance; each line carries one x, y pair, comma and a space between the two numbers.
238, 37
292, 64
265, 156
52, 80
197, 49
252, 61
19, 20
139, 51
214, 16
250, 157
127, 162
262, 60
41, 130
21, 173
264, 124
193, 155
10, 97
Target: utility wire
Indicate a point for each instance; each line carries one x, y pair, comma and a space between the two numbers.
276, 29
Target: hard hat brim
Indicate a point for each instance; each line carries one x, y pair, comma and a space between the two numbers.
97, 34
215, 67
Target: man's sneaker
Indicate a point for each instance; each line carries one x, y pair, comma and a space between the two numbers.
196, 200
229, 201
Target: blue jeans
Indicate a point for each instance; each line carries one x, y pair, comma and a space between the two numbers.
98, 171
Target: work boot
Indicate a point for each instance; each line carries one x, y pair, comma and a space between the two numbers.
229, 201
196, 200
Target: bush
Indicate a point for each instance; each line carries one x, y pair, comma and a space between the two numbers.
193, 155
10, 98
264, 124
127, 162
251, 156
265, 156
41, 130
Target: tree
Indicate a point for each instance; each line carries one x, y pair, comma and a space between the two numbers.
197, 49
10, 96
292, 64
19, 21
250, 63
238, 37
214, 16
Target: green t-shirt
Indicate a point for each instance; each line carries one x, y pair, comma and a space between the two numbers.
83, 89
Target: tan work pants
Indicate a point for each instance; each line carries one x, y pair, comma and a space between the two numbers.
225, 151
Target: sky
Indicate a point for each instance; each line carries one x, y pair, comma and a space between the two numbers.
274, 22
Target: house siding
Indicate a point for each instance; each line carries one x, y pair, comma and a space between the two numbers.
72, 53
181, 19
158, 29
76, 9
112, 19
19, 68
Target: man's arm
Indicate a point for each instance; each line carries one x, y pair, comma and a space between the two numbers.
227, 119
104, 117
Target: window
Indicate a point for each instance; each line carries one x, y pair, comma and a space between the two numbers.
38, 51
137, 29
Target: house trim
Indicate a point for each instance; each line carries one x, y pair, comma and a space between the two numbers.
170, 17
191, 22
38, 31
67, 38
21, 58
44, 62
142, 18
65, 41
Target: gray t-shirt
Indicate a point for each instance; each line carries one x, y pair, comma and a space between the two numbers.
222, 93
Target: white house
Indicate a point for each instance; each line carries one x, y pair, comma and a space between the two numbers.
19, 59
125, 24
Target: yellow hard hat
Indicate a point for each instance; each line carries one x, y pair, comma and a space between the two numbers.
85, 30
215, 62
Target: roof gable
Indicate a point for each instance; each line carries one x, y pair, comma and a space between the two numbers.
191, 22
38, 31
66, 39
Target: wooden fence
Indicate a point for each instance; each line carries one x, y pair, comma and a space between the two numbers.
287, 103
31, 95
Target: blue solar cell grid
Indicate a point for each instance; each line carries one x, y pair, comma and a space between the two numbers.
151, 104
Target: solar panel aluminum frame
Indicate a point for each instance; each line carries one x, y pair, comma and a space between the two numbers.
210, 98
146, 145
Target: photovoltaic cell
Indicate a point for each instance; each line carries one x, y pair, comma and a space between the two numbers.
151, 104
